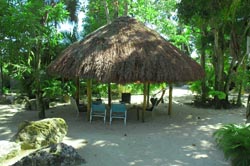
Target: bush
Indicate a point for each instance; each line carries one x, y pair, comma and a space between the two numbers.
234, 140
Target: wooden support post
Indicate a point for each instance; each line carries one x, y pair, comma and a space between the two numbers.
109, 95
89, 94
144, 101
148, 91
170, 99
77, 90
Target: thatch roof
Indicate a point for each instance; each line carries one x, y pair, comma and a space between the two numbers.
126, 51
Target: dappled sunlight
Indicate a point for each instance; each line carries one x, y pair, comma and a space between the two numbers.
209, 128
192, 123
179, 162
8, 111
6, 116
4, 107
103, 143
182, 139
173, 126
189, 117
202, 150
206, 144
76, 143
4, 131
189, 148
158, 160
135, 162
194, 152
7, 120
197, 155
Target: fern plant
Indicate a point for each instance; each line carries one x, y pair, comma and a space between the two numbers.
234, 140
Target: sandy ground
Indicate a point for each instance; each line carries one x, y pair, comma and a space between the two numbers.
184, 139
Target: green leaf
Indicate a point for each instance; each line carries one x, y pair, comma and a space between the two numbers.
221, 95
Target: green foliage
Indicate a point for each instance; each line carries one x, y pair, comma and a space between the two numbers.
234, 140
99, 89
28, 30
5, 90
159, 15
55, 88
95, 16
195, 87
69, 88
227, 17
209, 80
52, 88
28, 33
242, 76
221, 95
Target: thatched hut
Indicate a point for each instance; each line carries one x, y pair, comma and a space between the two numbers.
126, 51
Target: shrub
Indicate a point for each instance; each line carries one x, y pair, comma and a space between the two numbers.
234, 140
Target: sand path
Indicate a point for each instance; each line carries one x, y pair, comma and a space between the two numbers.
184, 139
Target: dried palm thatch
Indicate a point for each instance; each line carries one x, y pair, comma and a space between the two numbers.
126, 51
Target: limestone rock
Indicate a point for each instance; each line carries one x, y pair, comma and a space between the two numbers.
8, 150
53, 155
36, 134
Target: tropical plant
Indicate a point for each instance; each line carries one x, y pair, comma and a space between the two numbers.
234, 140
29, 40
221, 39
52, 89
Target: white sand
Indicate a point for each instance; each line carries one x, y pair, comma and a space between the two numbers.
183, 139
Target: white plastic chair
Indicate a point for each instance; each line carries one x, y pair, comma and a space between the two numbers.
98, 110
118, 111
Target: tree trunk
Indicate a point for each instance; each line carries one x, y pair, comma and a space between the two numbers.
239, 94
125, 12
107, 12
116, 9
1, 72
204, 92
218, 66
240, 86
246, 60
108, 21
38, 61
248, 110
39, 97
228, 80
236, 56
40, 106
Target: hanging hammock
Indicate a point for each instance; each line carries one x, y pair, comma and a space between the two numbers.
154, 100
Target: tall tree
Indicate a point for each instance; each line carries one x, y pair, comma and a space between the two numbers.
220, 17
32, 40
